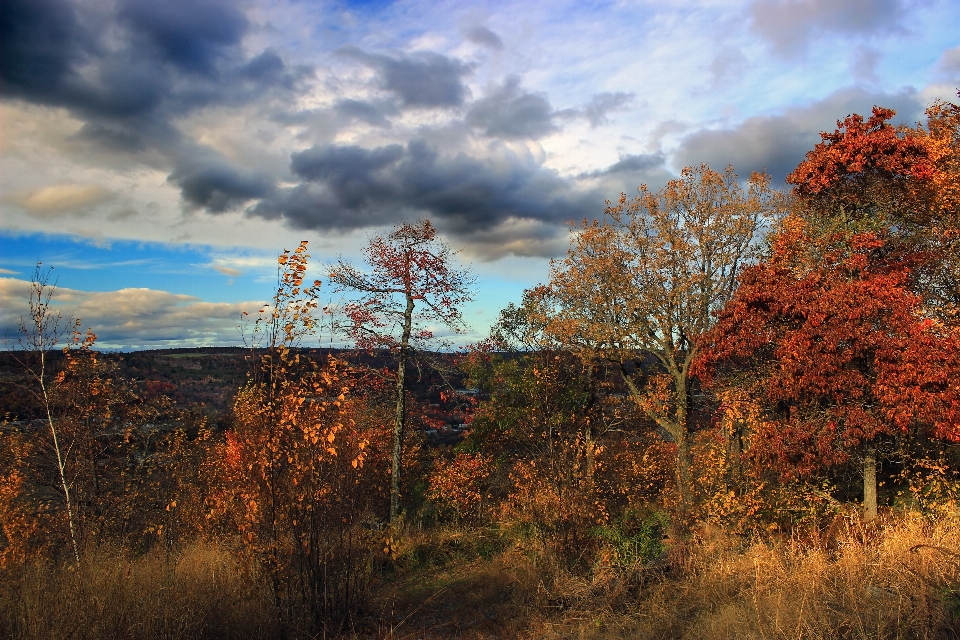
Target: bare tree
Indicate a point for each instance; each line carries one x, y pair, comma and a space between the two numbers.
41, 331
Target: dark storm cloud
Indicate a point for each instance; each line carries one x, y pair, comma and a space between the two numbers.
422, 79
483, 36
208, 180
164, 61
778, 143
789, 25
40, 41
631, 164
168, 59
510, 113
193, 35
348, 187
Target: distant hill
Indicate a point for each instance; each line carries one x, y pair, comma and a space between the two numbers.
206, 377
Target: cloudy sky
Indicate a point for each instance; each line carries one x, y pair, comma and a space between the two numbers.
160, 153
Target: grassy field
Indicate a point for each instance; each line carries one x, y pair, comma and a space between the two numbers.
898, 578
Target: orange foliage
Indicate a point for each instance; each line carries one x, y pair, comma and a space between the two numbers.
458, 485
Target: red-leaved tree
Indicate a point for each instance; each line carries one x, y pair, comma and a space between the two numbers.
413, 286
841, 355
833, 327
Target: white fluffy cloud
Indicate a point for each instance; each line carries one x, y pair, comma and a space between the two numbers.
132, 318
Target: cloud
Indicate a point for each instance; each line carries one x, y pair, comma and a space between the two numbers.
228, 271
627, 173
727, 67
8, 272
132, 75
630, 164
484, 37
192, 35
349, 187
515, 236
949, 64
209, 181
422, 79
863, 64
604, 103
40, 41
133, 318
777, 143
64, 198
509, 113
371, 113
789, 26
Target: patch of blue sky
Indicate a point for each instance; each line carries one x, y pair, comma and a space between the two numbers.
217, 275
212, 274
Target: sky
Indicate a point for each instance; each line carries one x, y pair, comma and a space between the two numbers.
159, 154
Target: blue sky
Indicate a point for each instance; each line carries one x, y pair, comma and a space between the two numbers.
160, 154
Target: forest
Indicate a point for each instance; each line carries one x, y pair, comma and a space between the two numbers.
733, 411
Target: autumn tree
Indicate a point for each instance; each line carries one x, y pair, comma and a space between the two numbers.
413, 285
868, 169
41, 331
940, 276
840, 353
833, 325
639, 287
901, 181
293, 472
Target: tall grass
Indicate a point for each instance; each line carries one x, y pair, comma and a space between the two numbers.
897, 579
200, 592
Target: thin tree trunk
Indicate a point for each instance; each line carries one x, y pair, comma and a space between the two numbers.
590, 454
401, 414
870, 485
678, 430
61, 465
682, 436
588, 430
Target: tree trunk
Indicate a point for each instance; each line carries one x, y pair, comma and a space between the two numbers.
870, 485
61, 463
735, 457
588, 430
590, 454
683, 475
401, 414
682, 436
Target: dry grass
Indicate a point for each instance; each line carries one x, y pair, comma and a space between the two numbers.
848, 582
197, 593
896, 579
